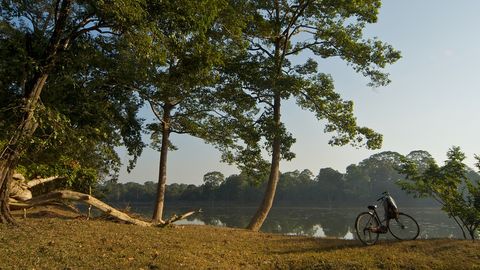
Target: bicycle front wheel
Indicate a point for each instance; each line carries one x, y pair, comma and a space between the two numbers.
365, 224
404, 227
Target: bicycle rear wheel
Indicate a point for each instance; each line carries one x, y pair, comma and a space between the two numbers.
404, 227
363, 225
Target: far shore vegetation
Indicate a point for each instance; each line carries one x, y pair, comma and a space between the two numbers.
360, 184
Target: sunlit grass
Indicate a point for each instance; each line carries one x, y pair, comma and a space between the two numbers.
55, 243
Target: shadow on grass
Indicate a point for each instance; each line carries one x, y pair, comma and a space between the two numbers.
309, 245
52, 211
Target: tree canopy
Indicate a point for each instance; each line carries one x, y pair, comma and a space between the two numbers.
41, 43
81, 116
277, 33
77, 72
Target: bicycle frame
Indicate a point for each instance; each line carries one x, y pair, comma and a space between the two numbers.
404, 227
383, 228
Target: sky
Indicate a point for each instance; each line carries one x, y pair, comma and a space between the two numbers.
431, 103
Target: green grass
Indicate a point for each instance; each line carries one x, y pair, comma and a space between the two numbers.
66, 243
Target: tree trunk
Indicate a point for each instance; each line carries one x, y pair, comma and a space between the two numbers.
10, 154
162, 174
262, 212
6, 176
12, 150
267, 202
472, 234
461, 227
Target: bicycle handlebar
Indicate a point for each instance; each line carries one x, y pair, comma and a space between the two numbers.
384, 194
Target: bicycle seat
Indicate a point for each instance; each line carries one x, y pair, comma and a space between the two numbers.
372, 207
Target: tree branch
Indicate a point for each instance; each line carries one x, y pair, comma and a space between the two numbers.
300, 9
258, 47
57, 7
306, 46
155, 110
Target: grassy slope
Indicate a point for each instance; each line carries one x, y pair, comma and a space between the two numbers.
54, 243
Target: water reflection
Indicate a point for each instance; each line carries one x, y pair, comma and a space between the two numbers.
316, 222
349, 235
318, 231
194, 221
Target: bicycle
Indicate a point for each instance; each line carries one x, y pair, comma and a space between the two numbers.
369, 226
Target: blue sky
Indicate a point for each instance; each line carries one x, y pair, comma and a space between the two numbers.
431, 104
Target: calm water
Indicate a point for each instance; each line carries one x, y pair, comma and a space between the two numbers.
317, 222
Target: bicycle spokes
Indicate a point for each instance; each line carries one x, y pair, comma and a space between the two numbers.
365, 225
404, 227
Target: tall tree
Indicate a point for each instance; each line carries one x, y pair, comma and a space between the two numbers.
83, 117
357, 182
181, 90
213, 179
211, 182
43, 32
278, 32
381, 171
331, 183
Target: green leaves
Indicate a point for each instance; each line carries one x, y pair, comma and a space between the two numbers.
318, 95
213, 180
87, 110
448, 185
198, 38
279, 31
192, 57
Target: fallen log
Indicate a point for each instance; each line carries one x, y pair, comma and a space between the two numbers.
21, 198
183, 216
39, 181
90, 200
20, 188
55, 196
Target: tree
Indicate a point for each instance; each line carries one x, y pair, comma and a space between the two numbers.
449, 186
78, 135
330, 183
357, 182
233, 188
279, 31
380, 168
43, 31
295, 186
421, 158
211, 183
213, 179
181, 90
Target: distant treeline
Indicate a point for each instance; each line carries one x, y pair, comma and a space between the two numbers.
361, 183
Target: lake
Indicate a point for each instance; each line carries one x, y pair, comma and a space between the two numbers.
310, 221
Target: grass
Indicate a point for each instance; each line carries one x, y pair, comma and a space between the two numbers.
50, 242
